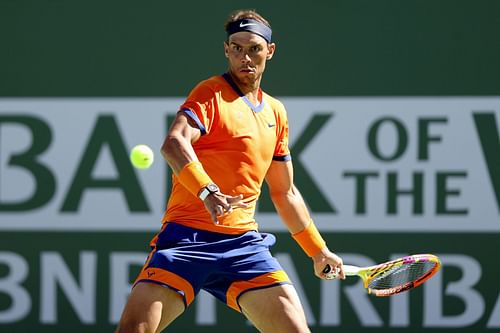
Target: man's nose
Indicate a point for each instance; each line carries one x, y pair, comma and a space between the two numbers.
245, 58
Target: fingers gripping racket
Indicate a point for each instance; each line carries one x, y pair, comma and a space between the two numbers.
394, 276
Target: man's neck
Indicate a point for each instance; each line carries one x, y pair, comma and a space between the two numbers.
250, 89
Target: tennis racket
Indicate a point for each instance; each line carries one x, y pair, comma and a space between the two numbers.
394, 276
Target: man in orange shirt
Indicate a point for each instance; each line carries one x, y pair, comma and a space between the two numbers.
228, 137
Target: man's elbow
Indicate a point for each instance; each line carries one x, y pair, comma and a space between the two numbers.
168, 147
279, 198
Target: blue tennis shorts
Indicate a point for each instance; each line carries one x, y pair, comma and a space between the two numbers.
187, 260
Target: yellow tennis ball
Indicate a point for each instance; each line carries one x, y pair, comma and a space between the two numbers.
141, 157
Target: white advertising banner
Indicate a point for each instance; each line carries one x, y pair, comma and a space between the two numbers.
362, 164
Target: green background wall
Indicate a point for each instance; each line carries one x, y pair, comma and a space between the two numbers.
325, 48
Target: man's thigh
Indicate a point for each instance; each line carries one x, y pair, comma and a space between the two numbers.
275, 309
150, 307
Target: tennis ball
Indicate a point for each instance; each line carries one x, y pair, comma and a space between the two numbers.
141, 157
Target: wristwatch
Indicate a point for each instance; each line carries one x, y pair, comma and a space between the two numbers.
207, 190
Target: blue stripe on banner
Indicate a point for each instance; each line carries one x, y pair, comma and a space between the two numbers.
193, 116
282, 158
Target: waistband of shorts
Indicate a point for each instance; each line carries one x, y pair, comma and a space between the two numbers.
172, 225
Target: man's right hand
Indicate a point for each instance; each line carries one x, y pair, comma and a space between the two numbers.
219, 204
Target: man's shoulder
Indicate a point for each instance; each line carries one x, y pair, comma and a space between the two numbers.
208, 88
213, 82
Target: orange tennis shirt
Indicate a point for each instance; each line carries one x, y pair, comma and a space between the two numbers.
238, 143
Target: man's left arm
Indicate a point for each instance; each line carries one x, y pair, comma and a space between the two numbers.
294, 213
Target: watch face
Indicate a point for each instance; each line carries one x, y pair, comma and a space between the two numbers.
212, 188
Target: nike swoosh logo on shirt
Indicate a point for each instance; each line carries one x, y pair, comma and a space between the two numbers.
271, 125
242, 25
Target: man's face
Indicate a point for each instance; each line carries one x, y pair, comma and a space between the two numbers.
247, 54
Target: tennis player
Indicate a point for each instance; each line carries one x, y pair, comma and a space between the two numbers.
228, 137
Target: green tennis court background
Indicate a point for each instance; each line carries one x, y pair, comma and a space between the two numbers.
325, 48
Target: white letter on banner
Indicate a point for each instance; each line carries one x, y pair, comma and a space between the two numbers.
494, 321
329, 314
11, 285
206, 309
54, 272
287, 264
356, 294
119, 284
462, 289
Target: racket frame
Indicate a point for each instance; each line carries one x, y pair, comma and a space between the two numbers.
367, 274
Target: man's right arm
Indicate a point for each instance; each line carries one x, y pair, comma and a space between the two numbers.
177, 147
178, 151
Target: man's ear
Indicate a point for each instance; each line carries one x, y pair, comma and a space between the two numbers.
226, 50
270, 51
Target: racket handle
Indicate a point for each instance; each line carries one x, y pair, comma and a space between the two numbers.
349, 270
330, 274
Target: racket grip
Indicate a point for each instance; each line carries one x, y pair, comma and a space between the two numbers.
330, 274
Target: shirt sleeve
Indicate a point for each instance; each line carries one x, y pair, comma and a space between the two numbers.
282, 151
201, 107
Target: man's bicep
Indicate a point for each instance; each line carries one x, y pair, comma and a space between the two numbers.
185, 126
280, 177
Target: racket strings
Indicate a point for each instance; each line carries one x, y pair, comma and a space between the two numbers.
393, 277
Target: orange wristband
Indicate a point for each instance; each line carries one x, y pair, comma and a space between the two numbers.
310, 240
193, 177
